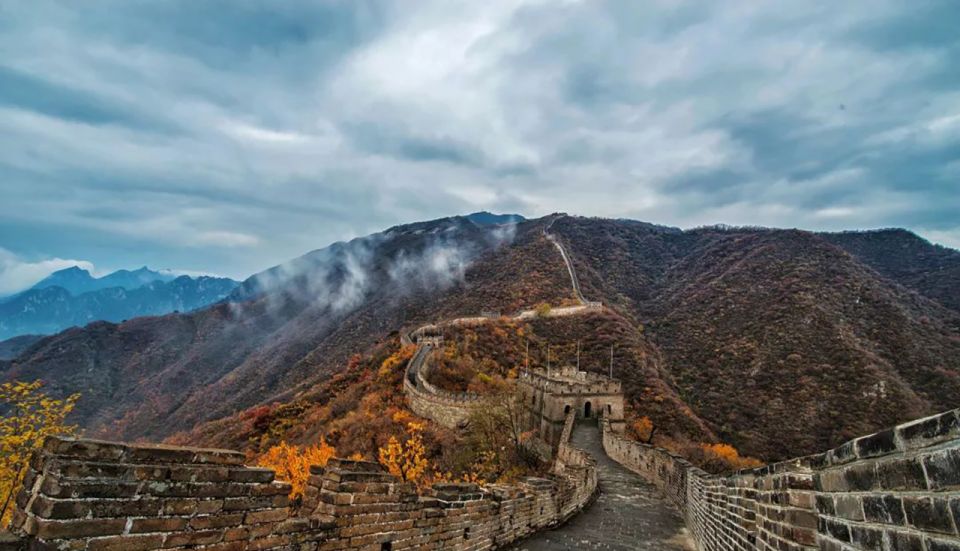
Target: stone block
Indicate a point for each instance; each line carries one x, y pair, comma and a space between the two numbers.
929, 513
881, 443
848, 507
53, 529
943, 469
887, 509
126, 543
861, 476
160, 524
901, 474
866, 538
931, 430
84, 449
895, 540
936, 544
200, 537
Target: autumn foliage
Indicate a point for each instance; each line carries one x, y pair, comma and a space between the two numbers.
29, 417
724, 457
406, 459
292, 463
643, 430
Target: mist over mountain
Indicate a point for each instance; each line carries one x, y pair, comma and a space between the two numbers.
782, 342
72, 296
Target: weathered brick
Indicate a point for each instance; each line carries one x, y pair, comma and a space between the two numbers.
825, 505
866, 538
56, 529
896, 540
943, 469
160, 524
936, 544
887, 509
881, 443
201, 537
901, 474
848, 507
835, 529
216, 521
929, 513
931, 430
126, 543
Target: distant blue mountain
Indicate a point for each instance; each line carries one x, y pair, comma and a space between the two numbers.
77, 281
73, 297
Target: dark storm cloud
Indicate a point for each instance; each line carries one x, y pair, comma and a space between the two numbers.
229, 136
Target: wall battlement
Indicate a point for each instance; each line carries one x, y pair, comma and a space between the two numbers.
898, 489
99, 496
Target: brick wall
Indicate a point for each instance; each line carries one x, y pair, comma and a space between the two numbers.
91, 495
898, 489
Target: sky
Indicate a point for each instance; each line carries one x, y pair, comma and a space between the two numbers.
226, 137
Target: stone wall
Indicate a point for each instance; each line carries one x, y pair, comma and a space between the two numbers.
898, 489
96, 496
449, 409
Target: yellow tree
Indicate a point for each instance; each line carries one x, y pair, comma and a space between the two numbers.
406, 460
28, 417
292, 463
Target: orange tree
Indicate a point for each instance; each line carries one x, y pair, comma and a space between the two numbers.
28, 417
292, 463
406, 460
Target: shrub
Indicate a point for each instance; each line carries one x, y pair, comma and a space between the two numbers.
292, 463
31, 416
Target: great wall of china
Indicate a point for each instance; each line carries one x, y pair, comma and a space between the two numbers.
898, 489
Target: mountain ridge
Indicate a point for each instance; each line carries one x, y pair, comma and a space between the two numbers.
728, 318
59, 300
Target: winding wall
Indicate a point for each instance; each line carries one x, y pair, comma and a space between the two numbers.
98, 496
452, 409
898, 489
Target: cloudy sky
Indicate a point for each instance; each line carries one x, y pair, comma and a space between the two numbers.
226, 137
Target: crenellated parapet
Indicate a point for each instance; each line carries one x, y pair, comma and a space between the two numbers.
898, 489
97, 496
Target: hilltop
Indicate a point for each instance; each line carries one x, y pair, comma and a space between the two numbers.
781, 342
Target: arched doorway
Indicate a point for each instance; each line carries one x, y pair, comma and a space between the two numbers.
586, 410
566, 410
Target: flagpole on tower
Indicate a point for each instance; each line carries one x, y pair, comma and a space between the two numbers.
611, 361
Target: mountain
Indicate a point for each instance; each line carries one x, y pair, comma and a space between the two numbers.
781, 342
784, 342
11, 348
931, 270
49, 308
77, 281
74, 280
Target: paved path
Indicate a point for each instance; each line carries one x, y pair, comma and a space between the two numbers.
629, 514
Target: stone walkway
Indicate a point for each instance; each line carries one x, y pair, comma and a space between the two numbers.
628, 514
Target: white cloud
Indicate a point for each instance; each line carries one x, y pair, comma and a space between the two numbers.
234, 142
17, 274
225, 239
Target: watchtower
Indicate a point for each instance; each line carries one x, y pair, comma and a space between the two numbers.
549, 396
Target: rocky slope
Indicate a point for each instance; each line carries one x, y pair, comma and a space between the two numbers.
779, 342
290, 327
